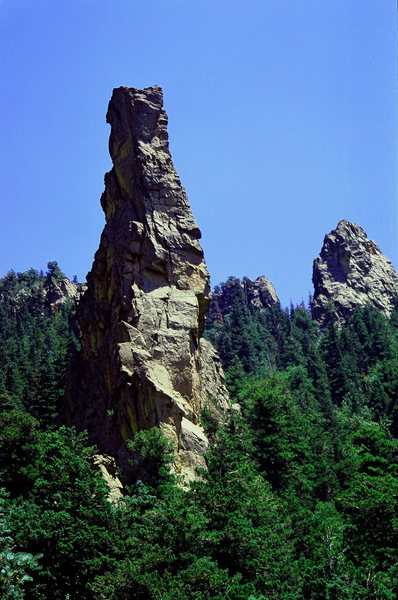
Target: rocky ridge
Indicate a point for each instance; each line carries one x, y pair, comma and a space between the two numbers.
351, 270
258, 294
142, 362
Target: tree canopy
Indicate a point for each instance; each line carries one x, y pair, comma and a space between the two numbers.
298, 500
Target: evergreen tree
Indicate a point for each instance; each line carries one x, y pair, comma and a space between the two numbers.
15, 567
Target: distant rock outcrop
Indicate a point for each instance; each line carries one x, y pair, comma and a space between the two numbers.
260, 293
143, 313
58, 292
350, 271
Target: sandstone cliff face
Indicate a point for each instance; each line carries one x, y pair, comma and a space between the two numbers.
143, 312
350, 271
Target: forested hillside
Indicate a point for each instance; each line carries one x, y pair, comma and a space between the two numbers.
299, 497
37, 333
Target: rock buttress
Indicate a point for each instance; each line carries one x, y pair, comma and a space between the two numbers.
351, 271
143, 312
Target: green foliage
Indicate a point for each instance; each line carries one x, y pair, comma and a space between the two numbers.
248, 531
152, 455
35, 340
298, 501
317, 423
370, 498
54, 273
18, 450
355, 365
15, 567
61, 511
237, 333
286, 428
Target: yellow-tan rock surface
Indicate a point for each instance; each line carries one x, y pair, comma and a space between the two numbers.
351, 271
143, 313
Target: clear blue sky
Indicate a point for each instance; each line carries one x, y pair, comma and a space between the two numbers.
282, 121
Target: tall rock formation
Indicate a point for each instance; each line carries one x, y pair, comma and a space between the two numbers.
350, 271
143, 313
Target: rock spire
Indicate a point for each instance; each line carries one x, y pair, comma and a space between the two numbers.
350, 271
143, 313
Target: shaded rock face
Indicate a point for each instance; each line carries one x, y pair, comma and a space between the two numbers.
143, 312
59, 292
261, 293
350, 271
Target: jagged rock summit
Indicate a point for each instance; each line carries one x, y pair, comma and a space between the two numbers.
260, 293
350, 271
143, 313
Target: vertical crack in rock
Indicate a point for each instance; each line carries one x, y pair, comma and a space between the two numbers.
143, 313
350, 271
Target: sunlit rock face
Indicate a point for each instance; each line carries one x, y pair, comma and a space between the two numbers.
350, 271
143, 313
